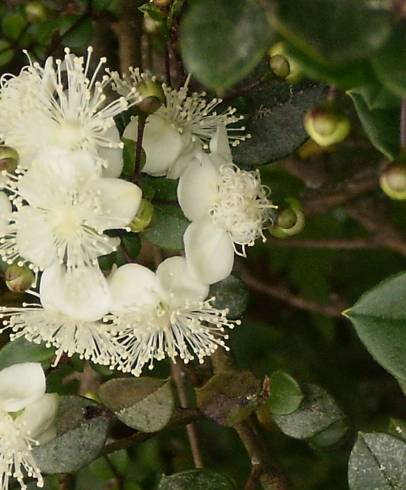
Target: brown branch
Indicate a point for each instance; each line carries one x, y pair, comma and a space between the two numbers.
178, 377
128, 30
284, 294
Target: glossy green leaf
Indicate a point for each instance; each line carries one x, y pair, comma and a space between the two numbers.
131, 242
21, 350
317, 412
146, 404
377, 461
222, 41
231, 293
6, 54
159, 188
13, 25
381, 125
167, 227
338, 32
275, 121
81, 426
286, 394
376, 96
196, 480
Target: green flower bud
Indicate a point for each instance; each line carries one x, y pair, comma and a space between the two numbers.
393, 181
8, 158
326, 126
35, 12
279, 66
143, 218
295, 73
18, 279
152, 95
290, 219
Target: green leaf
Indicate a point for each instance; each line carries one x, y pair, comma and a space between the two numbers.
381, 125
231, 293
128, 157
167, 227
376, 96
132, 244
82, 427
145, 404
389, 63
80, 36
286, 394
317, 413
377, 461
6, 55
379, 317
21, 350
338, 32
275, 121
229, 397
159, 188
153, 11
222, 42
196, 480
13, 25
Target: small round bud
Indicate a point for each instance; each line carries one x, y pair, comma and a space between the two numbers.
290, 219
143, 218
8, 158
294, 74
35, 12
279, 66
152, 95
393, 181
162, 3
18, 279
326, 126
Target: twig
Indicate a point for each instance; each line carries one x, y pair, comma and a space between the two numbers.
128, 30
284, 294
403, 125
117, 476
178, 377
138, 148
66, 482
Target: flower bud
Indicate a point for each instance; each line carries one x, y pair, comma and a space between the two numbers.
393, 181
152, 96
35, 12
18, 279
326, 126
280, 62
289, 221
161, 3
8, 158
143, 218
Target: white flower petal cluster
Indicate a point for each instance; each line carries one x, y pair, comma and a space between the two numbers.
27, 416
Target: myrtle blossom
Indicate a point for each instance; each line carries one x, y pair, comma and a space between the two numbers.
68, 317
228, 207
27, 417
179, 128
164, 314
62, 206
62, 104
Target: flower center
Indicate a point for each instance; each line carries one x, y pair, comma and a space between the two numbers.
70, 134
66, 221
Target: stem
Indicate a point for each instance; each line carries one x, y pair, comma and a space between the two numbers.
178, 377
167, 66
116, 473
403, 125
138, 148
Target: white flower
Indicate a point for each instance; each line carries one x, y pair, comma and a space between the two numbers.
69, 317
228, 207
184, 125
164, 314
27, 417
63, 105
63, 207
5, 212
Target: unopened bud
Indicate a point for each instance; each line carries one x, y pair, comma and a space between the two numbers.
290, 219
8, 158
162, 3
19, 279
144, 216
393, 181
35, 12
281, 62
152, 95
326, 126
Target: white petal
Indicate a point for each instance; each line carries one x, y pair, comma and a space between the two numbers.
209, 251
180, 283
219, 144
119, 201
47, 436
20, 385
112, 156
34, 237
39, 416
134, 285
5, 212
186, 158
81, 294
162, 144
198, 188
